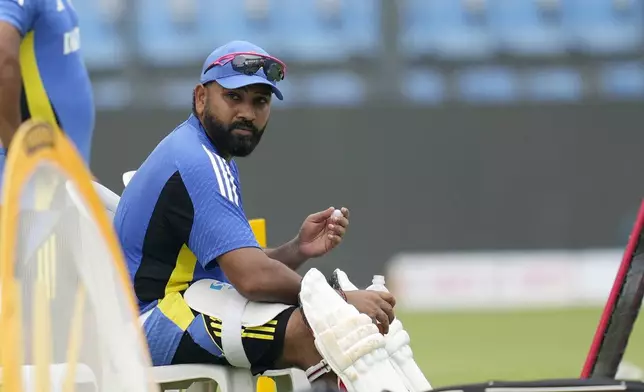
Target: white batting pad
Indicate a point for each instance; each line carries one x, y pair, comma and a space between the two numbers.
397, 346
343, 280
348, 340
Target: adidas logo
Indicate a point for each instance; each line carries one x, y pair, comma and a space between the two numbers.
220, 286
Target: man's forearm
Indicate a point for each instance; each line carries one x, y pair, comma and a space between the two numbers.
287, 254
10, 84
274, 282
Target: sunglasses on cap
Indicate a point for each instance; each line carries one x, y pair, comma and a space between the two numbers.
249, 63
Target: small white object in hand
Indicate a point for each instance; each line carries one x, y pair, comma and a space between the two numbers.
337, 214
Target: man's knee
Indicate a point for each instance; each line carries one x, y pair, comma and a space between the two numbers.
300, 351
299, 346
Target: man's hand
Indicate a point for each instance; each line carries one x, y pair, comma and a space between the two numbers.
322, 232
375, 304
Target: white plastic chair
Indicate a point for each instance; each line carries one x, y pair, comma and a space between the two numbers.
289, 379
206, 378
85, 378
109, 199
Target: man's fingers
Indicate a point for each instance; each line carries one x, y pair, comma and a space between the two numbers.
321, 216
341, 221
389, 310
388, 297
383, 319
345, 212
334, 239
337, 230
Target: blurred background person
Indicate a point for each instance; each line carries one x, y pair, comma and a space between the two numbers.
42, 73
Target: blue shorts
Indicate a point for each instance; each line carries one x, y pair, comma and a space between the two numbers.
177, 334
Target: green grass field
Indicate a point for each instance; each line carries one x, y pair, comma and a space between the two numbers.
453, 348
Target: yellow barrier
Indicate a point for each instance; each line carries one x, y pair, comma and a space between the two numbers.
259, 229
264, 384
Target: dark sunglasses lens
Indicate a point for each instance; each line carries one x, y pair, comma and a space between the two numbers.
239, 60
274, 71
248, 65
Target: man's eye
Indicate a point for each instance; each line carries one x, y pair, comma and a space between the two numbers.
234, 97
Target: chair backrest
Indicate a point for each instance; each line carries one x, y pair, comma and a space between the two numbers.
127, 176
110, 199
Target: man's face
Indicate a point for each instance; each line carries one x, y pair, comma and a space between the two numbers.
234, 119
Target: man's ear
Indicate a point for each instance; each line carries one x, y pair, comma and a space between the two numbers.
200, 98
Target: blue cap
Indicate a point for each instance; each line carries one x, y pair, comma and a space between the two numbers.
230, 79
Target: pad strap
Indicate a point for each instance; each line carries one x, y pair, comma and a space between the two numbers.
317, 371
231, 332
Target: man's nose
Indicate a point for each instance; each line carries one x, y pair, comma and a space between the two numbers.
246, 113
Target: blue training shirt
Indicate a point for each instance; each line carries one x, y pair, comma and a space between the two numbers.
181, 210
56, 84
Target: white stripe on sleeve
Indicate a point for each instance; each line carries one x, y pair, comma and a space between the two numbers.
222, 178
230, 179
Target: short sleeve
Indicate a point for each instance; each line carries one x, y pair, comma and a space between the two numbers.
219, 224
19, 13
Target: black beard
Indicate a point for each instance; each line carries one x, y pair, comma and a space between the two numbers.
226, 142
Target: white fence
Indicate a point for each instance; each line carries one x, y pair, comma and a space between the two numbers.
508, 279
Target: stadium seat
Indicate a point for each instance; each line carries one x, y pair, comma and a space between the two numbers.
423, 86
622, 80
604, 26
527, 27
489, 84
102, 46
249, 20
362, 30
554, 84
326, 34
449, 29
167, 39
334, 89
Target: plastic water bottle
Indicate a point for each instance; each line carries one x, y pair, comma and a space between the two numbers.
378, 284
397, 346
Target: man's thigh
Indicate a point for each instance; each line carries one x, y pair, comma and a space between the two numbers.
174, 340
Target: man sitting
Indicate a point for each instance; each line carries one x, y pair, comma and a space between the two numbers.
207, 292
